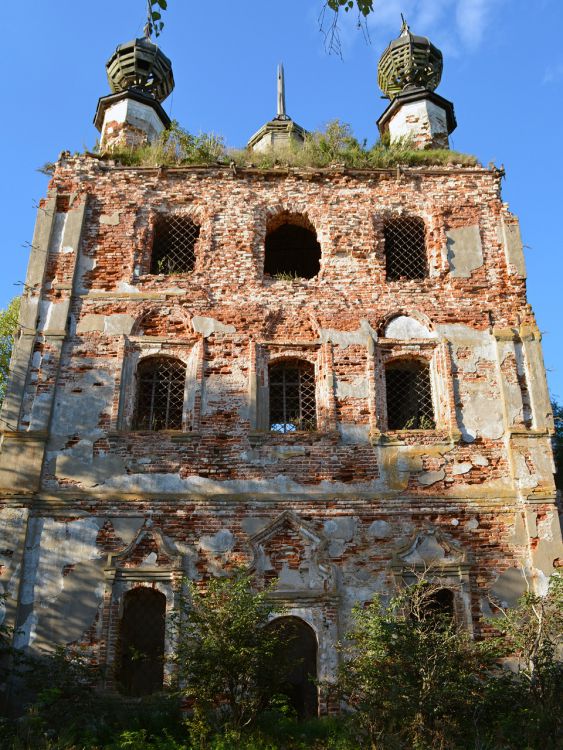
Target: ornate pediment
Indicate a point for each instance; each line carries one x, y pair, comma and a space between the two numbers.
430, 548
149, 550
292, 554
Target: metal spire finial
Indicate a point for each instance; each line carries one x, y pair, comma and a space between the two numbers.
148, 26
405, 28
282, 114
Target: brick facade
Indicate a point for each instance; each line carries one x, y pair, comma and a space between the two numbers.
91, 507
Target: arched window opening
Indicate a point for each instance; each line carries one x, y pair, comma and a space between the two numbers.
174, 245
405, 248
300, 656
160, 394
140, 647
292, 249
292, 396
409, 396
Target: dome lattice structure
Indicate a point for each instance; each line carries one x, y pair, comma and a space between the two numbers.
140, 65
409, 62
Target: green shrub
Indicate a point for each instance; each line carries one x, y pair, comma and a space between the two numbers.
229, 663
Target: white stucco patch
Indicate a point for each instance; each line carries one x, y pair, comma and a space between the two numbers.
431, 477
465, 251
222, 541
345, 339
405, 328
461, 468
358, 388
111, 220
64, 543
209, 326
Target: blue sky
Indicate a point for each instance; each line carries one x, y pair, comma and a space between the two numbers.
503, 71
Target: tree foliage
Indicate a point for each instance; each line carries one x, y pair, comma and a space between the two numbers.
558, 443
8, 327
416, 680
229, 661
527, 697
411, 675
155, 24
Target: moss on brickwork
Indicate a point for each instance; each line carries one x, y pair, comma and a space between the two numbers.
336, 145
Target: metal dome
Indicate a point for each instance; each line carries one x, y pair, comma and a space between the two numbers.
140, 65
409, 62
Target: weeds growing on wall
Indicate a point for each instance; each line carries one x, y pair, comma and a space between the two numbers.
335, 146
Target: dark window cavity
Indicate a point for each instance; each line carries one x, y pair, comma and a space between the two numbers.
405, 248
292, 396
292, 249
441, 605
409, 396
300, 656
140, 646
437, 609
174, 245
160, 394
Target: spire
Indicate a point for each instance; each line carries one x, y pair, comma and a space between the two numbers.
281, 130
282, 114
405, 28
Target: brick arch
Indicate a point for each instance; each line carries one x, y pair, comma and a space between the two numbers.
297, 356
415, 315
280, 216
422, 357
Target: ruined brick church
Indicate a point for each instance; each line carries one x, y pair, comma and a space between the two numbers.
328, 376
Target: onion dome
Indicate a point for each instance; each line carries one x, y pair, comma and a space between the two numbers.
141, 66
409, 62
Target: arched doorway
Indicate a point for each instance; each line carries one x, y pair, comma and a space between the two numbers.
300, 649
140, 648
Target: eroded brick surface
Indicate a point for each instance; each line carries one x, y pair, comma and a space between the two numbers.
335, 515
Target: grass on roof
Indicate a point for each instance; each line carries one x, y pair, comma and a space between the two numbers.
336, 145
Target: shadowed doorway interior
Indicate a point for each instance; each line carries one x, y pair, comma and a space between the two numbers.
300, 649
140, 651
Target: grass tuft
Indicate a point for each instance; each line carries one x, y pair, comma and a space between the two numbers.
336, 146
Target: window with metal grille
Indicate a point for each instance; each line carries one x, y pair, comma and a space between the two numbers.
409, 396
174, 245
292, 249
292, 396
160, 394
140, 646
405, 248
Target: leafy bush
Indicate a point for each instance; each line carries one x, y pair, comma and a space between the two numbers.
413, 678
8, 326
229, 662
525, 701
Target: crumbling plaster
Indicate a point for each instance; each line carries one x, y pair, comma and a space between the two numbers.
326, 513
